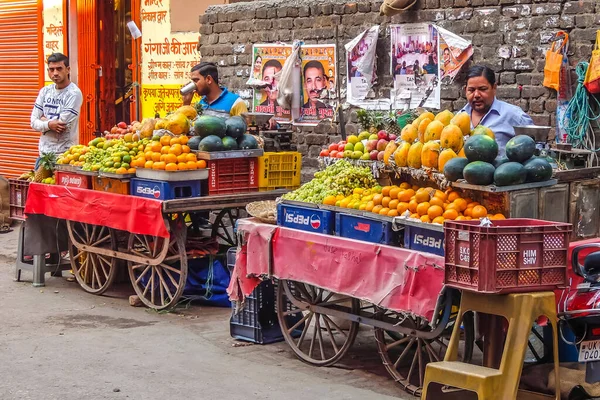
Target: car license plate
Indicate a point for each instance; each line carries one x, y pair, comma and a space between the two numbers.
589, 351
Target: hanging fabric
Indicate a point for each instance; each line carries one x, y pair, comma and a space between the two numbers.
592, 77
393, 7
554, 59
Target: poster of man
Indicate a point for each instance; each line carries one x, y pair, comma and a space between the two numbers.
268, 60
318, 83
415, 66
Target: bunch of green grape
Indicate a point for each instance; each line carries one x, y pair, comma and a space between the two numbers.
339, 178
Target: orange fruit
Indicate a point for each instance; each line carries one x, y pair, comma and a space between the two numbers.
190, 157
499, 216
176, 149
394, 192
425, 218
185, 149
162, 157
405, 185
412, 206
159, 165
434, 212
441, 195
436, 201
191, 165
170, 158
131, 171
165, 149
384, 211
149, 164
174, 140
452, 206
181, 158
156, 157
182, 166
385, 191
165, 140
183, 139
156, 146
450, 214
453, 196
201, 164
392, 213
438, 220
393, 204
461, 203
461, 218
422, 196
468, 218
377, 199
405, 195
121, 171
422, 208
471, 204
171, 167
370, 206
415, 187
377, 208
468, 211
386, 201
402, 207
479, 212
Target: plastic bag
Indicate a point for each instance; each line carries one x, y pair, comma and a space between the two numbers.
288, 78
393, 7
554, 59
592, 76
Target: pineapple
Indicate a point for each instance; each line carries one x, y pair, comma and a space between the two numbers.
46, 167
391, 126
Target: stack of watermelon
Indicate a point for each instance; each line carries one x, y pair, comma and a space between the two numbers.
482, 166
218, 134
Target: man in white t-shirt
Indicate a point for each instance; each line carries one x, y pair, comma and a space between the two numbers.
56, 110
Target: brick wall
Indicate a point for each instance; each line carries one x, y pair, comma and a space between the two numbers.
522, 27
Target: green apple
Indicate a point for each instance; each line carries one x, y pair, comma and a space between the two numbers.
373, 137
356, 155
359, 147
364, 135
348, 154
349, 147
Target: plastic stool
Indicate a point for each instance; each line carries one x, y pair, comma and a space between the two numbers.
520, 310
37, 265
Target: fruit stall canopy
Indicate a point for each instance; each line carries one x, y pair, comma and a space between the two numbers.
390, 277
128, 213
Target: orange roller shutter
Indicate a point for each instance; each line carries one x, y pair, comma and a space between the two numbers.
21, 77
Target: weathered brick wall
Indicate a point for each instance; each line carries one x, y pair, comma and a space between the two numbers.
522, 27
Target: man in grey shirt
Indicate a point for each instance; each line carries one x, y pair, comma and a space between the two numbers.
56, 110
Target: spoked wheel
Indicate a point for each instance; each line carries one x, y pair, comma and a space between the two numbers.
315, 338
406, 356
158, 286
224, 225
94, 272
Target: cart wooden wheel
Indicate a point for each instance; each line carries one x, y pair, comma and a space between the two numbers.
158, 286
94, 272
224, 225
315, 338
406, 356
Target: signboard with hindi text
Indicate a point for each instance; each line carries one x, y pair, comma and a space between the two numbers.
53, 31
167, 58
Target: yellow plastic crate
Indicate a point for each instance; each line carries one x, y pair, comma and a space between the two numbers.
279, 170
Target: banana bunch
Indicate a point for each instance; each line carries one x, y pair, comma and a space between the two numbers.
27, 176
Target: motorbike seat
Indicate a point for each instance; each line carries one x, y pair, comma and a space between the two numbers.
591, 266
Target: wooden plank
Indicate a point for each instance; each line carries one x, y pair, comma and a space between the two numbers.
219, 202
499, 189
577, 174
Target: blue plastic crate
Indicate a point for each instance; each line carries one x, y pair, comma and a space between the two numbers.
305, 218
364, 228
424, 239
161, 190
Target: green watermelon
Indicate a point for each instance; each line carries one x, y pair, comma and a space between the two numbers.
207, 125
499, 161
520, 148
247, 142
211, 143
510, 173
194, 142
481, 148
229, 143
479, 172
538, 169
236, 127
453, 170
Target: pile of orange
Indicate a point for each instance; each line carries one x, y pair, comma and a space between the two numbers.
426, 204
170, 153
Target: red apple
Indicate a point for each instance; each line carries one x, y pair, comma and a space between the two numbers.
341, 147
340, 154
380, 156
392, 137
333, 153
371, 145
381, 144
333, 146
122, 125
324, 153
373, 155
382, 134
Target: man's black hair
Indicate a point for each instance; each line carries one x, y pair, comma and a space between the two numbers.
207, 69
481, 70
272, 63
314, 64
58, 57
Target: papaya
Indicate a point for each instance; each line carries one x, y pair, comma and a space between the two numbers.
389, 150
463, 121
422, 127
401, 154
452, 138
433, 131
414, 155
430, 154
445, 156
409, 133
178, 124
189, 111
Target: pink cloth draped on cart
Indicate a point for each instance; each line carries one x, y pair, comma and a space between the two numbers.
390, 277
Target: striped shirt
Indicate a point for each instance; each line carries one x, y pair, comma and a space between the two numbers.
61, 104
226, 105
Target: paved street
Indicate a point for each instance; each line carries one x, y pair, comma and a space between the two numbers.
59, 342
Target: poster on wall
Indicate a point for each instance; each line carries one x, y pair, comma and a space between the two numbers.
167, 58
318, 84
267, 62
361, 61
455, 51
415, 68
53, 30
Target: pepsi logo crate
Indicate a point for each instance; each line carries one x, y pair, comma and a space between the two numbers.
161, 190
72, 179
363, 228
424, 238
305, 218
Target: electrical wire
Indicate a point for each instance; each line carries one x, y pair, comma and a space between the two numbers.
581, 115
